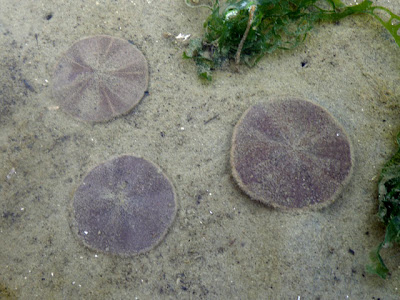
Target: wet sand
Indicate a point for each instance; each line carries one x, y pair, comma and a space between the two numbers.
222, 244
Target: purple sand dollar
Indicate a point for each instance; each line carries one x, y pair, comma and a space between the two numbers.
124, 206
290, 154
99, 78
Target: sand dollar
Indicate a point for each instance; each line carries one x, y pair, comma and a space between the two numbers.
99, 78
290, 154
124, 206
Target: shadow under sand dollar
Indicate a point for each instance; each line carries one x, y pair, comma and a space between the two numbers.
290, 154
124, 206
99, 78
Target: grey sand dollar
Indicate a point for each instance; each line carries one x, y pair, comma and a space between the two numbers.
124, 206
290, 154
99, 78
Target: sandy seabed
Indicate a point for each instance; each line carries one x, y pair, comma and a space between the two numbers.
222, 245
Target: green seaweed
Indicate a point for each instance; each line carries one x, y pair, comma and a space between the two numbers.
389, 211
246, 30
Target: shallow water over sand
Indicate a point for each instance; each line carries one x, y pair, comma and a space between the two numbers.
222, 245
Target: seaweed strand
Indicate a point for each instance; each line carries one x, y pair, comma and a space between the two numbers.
249, 22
